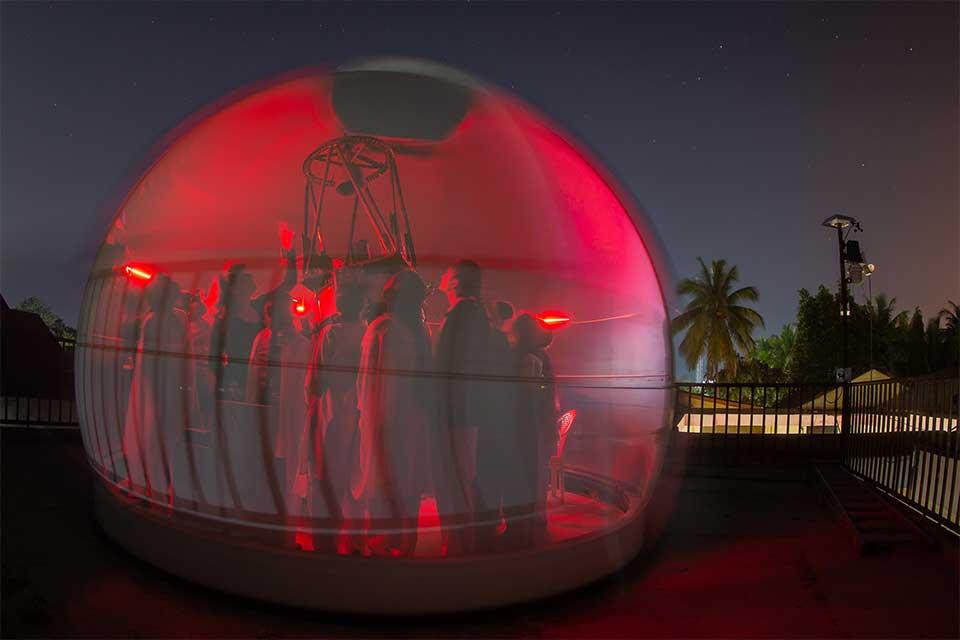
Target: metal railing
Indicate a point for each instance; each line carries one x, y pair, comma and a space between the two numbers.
38, 412
758, 422
58, 410
902, 438
901, 435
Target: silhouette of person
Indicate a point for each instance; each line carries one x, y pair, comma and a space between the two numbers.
275, 381
238, 320
501, 313
499, 467
373, 310
263, 385
332, 422
394, 399
292, 351
235, 327
525, 496
158, 408
199, 330
463, 360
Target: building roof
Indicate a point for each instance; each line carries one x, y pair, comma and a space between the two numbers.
832, 400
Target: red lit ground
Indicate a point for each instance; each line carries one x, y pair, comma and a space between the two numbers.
577, 516
749, 552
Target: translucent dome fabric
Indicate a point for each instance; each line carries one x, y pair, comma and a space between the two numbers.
482, 178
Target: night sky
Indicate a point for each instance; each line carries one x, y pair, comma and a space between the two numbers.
738, 127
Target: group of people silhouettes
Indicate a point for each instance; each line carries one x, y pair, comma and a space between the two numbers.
365, 412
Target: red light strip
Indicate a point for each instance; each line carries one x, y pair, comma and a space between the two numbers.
553, 319
139, 274
596, 320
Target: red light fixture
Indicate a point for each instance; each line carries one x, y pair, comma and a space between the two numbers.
286, 236
299, 307
140, 274
553, 319
565, 422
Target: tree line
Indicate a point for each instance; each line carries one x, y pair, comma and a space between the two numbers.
718, 323
55, 323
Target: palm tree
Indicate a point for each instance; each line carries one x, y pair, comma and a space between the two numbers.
951, 330
883, 331
719, 326
881, 309
933, 339
951, 317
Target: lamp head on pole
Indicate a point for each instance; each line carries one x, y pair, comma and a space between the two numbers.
839, 221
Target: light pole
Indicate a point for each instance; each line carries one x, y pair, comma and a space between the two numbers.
841, 222
868, 270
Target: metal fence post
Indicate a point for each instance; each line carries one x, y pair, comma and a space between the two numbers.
844, 421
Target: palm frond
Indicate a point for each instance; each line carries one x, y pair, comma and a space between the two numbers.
744, 293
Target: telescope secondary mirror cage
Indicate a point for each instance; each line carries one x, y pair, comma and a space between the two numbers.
349, 165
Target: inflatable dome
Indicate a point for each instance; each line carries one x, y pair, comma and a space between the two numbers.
378, 339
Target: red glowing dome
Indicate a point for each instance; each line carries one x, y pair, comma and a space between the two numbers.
308, 186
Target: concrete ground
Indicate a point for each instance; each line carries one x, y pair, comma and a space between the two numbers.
748, 552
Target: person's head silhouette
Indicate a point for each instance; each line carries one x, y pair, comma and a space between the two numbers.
462, 279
